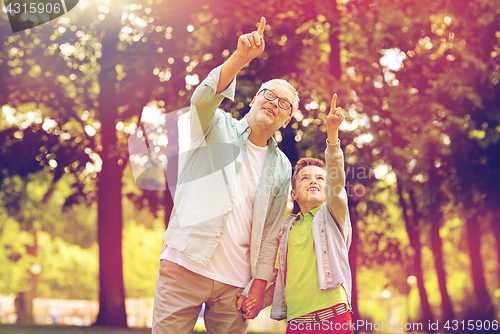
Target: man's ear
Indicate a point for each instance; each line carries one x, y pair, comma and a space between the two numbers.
251, 103
286, 122
293, 194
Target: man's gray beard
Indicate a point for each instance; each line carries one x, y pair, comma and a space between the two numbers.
260, 121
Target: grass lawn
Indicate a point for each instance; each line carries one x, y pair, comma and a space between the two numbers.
34, 329
15, 329
38, 329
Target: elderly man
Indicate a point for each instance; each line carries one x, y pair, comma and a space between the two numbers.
229, 205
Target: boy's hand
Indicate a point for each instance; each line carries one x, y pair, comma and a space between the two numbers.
251, 45
333, 120
240, 300
245, 304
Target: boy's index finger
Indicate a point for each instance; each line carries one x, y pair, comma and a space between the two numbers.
334, 101
262, 26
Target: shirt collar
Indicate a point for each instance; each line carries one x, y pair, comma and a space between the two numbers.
242, 126
312, 212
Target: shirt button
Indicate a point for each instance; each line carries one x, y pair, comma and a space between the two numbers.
225, 213
218, 235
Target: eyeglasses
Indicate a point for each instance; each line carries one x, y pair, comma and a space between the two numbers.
271, 96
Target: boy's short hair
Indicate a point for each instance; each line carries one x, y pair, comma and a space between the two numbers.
303, 163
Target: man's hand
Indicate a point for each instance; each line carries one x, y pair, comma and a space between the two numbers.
333, 120
253, 304
251, 45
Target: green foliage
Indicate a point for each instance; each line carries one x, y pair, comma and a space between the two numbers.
141, 254
68, 271
14, 260
383, 237
27, 213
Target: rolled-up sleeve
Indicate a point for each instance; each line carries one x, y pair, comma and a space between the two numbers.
336, 195
205, 101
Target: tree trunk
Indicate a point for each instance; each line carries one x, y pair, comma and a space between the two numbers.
335, 67
109, 186
24, 308
330, 11
109, 216
24, 299
495, 223
474, 242
110, 224
414, 237
435, 217
288, 145
353, 254
437, 250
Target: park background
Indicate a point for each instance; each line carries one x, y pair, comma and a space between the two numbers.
418, 81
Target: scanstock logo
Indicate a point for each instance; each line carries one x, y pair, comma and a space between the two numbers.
26, 14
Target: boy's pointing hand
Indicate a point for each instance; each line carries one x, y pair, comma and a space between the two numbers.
333, 120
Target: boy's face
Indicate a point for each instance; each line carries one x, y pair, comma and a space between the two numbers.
310, 187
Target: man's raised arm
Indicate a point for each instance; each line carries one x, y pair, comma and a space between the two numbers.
250, 45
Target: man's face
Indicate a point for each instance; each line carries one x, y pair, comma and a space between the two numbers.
267, 114
310, 186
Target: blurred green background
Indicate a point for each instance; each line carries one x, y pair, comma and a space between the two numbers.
418, 81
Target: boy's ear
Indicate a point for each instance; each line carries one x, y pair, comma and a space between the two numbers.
251, 103
293, 194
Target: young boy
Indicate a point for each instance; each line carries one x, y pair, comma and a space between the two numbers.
313, 287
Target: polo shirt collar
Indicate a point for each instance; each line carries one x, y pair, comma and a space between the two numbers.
312, 212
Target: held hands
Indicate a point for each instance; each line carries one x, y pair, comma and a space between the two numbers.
251, 45
246, 305
333, 120
253, 304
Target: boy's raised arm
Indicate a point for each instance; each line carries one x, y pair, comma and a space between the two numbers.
336, 196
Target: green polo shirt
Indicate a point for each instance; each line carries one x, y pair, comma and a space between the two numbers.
302, 293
